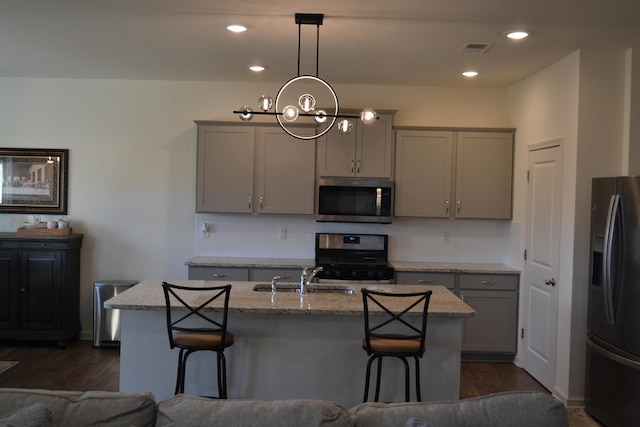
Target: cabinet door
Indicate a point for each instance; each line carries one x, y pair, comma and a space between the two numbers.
493, 329
423, 173
374, 149
366, 152
425, 278
9, 289
336, 153
225, 169
41, 278
484, 168
285, 172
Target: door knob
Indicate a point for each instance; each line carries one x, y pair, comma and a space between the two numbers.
551, 282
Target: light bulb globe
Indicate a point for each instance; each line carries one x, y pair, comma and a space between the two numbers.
368, 116
246, 114
344, 126
290, 113
307, 102
321, 116
265, 103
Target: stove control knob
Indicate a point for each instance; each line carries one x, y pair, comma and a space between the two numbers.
354, 274
370, 274
336, 273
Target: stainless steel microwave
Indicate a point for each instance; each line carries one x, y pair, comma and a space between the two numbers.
354, 200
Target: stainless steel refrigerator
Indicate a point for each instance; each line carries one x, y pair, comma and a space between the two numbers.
612, 379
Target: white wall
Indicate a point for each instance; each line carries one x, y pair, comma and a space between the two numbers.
132, 171
581, 101
545, 107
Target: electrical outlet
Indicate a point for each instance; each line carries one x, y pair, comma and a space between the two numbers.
283, 234
446, 237
206, 230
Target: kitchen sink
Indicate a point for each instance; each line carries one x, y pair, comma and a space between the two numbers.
312, 289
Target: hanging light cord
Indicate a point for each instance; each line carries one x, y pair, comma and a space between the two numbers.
317, 47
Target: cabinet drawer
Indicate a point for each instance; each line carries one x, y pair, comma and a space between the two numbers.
505, 282
424, 278
218, 273
44, 245
267, 274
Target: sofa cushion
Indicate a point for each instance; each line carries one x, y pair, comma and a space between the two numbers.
192, 411
93, 408
36, 415
519, 408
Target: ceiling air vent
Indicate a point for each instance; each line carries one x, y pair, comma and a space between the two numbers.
475, 48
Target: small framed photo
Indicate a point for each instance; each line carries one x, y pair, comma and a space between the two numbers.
33, 180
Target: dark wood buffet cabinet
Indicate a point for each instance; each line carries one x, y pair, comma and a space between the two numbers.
40, 287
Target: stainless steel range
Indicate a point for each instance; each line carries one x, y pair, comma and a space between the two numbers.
353, 257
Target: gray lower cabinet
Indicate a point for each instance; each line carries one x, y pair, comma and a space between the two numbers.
267, 274
254, 274
425, 278
492, 332
218, 273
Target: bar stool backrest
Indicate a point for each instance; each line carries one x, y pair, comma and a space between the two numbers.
181, 299
380, 321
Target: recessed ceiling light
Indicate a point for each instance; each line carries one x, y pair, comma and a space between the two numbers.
237, 28
518, 35
470, 73
257, 68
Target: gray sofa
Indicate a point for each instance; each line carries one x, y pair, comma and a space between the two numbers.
26, 408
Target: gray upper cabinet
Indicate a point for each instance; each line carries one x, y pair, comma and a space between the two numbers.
484, 169
423, 173
365, 152
254, 169
225, 169
453, 174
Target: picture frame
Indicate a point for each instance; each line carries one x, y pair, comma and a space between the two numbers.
33, 181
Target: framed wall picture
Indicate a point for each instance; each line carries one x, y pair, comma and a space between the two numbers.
33, 180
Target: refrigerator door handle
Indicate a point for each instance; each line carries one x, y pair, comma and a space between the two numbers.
609, 237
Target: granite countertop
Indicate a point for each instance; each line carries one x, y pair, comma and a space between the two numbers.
205, 261
148, 295
453, 267
431, 267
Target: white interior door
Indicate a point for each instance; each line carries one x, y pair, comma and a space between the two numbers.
540, 283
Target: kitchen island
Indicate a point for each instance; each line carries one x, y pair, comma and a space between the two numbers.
286, 346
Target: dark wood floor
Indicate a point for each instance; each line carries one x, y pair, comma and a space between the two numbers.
81, 367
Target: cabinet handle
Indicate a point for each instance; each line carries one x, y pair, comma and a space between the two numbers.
358, 168
261, 200
216, 275
487, 283
425, 281
459, 204
23, 290
249, 202
446, 204
352, 165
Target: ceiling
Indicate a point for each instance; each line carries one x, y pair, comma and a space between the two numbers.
375, 42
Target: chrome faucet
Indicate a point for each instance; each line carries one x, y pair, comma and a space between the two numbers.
274, 281
306, 278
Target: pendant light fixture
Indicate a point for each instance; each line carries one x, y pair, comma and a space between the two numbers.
306, 99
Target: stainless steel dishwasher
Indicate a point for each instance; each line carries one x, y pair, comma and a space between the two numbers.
106, 322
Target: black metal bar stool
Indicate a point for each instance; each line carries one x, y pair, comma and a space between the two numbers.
208, 333
388, 333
